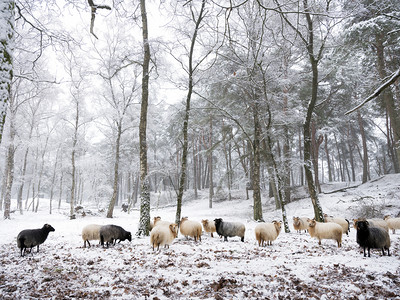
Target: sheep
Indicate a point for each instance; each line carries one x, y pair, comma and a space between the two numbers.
190, 228
372, 237
229, 229
157, 221
209, 226
373, 223
267, 232
163, 235
344, 223
111, 233
393, 223
330, 231
90, 232
300, 223
29, 238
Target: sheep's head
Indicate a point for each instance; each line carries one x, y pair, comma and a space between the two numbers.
362, 225
278, 225
218, 221
184, 219
386, 217
296, 221
204, 222
174, 229
129, 236
156, 219
48, 227
311, 222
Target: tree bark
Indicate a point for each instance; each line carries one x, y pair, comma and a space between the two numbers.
6, 58
182, 179
9, 169
116, 171
307, 124
393, 111
144, 222
328, 159
365, 149
210, 167
257, 209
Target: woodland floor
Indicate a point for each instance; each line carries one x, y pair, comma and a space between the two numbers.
212, 269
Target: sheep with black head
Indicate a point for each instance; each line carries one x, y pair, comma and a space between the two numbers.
372, 237
30, 238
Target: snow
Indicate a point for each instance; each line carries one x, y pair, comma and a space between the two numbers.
295, 266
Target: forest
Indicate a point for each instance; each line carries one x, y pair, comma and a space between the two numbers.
139, 103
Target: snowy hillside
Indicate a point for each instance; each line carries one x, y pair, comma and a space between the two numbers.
295, 266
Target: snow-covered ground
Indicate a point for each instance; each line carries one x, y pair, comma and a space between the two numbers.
295, 266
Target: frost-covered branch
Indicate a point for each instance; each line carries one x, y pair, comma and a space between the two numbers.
377, 92
94, 8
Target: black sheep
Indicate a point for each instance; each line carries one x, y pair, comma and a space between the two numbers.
112, 233
372, 237
229, 229
29, 238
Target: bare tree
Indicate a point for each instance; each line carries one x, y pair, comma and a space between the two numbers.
144, 222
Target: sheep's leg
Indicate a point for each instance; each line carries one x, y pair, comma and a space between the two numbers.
212, 234
319, 242
225, 238
37, 248
242, 239
388, 252
369, 254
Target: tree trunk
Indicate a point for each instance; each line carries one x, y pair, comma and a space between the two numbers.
316, 143
144, 222
388, 99
9, 170
73, 171
301, 171
194, 168
350, 143
211, 168
365, 150
6, 58
328, 159
257, 209
319, 216
116, 171
182, 179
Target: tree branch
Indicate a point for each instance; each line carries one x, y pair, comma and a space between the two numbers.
94, 7
377, 92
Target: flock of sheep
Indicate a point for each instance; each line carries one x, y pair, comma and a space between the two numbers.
371, 233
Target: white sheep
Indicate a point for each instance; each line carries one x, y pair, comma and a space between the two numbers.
300, 223
330, 231
338, 220
190, 228
157, 221
89, 233
393, 223
267, 232
163, 235
209, 226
